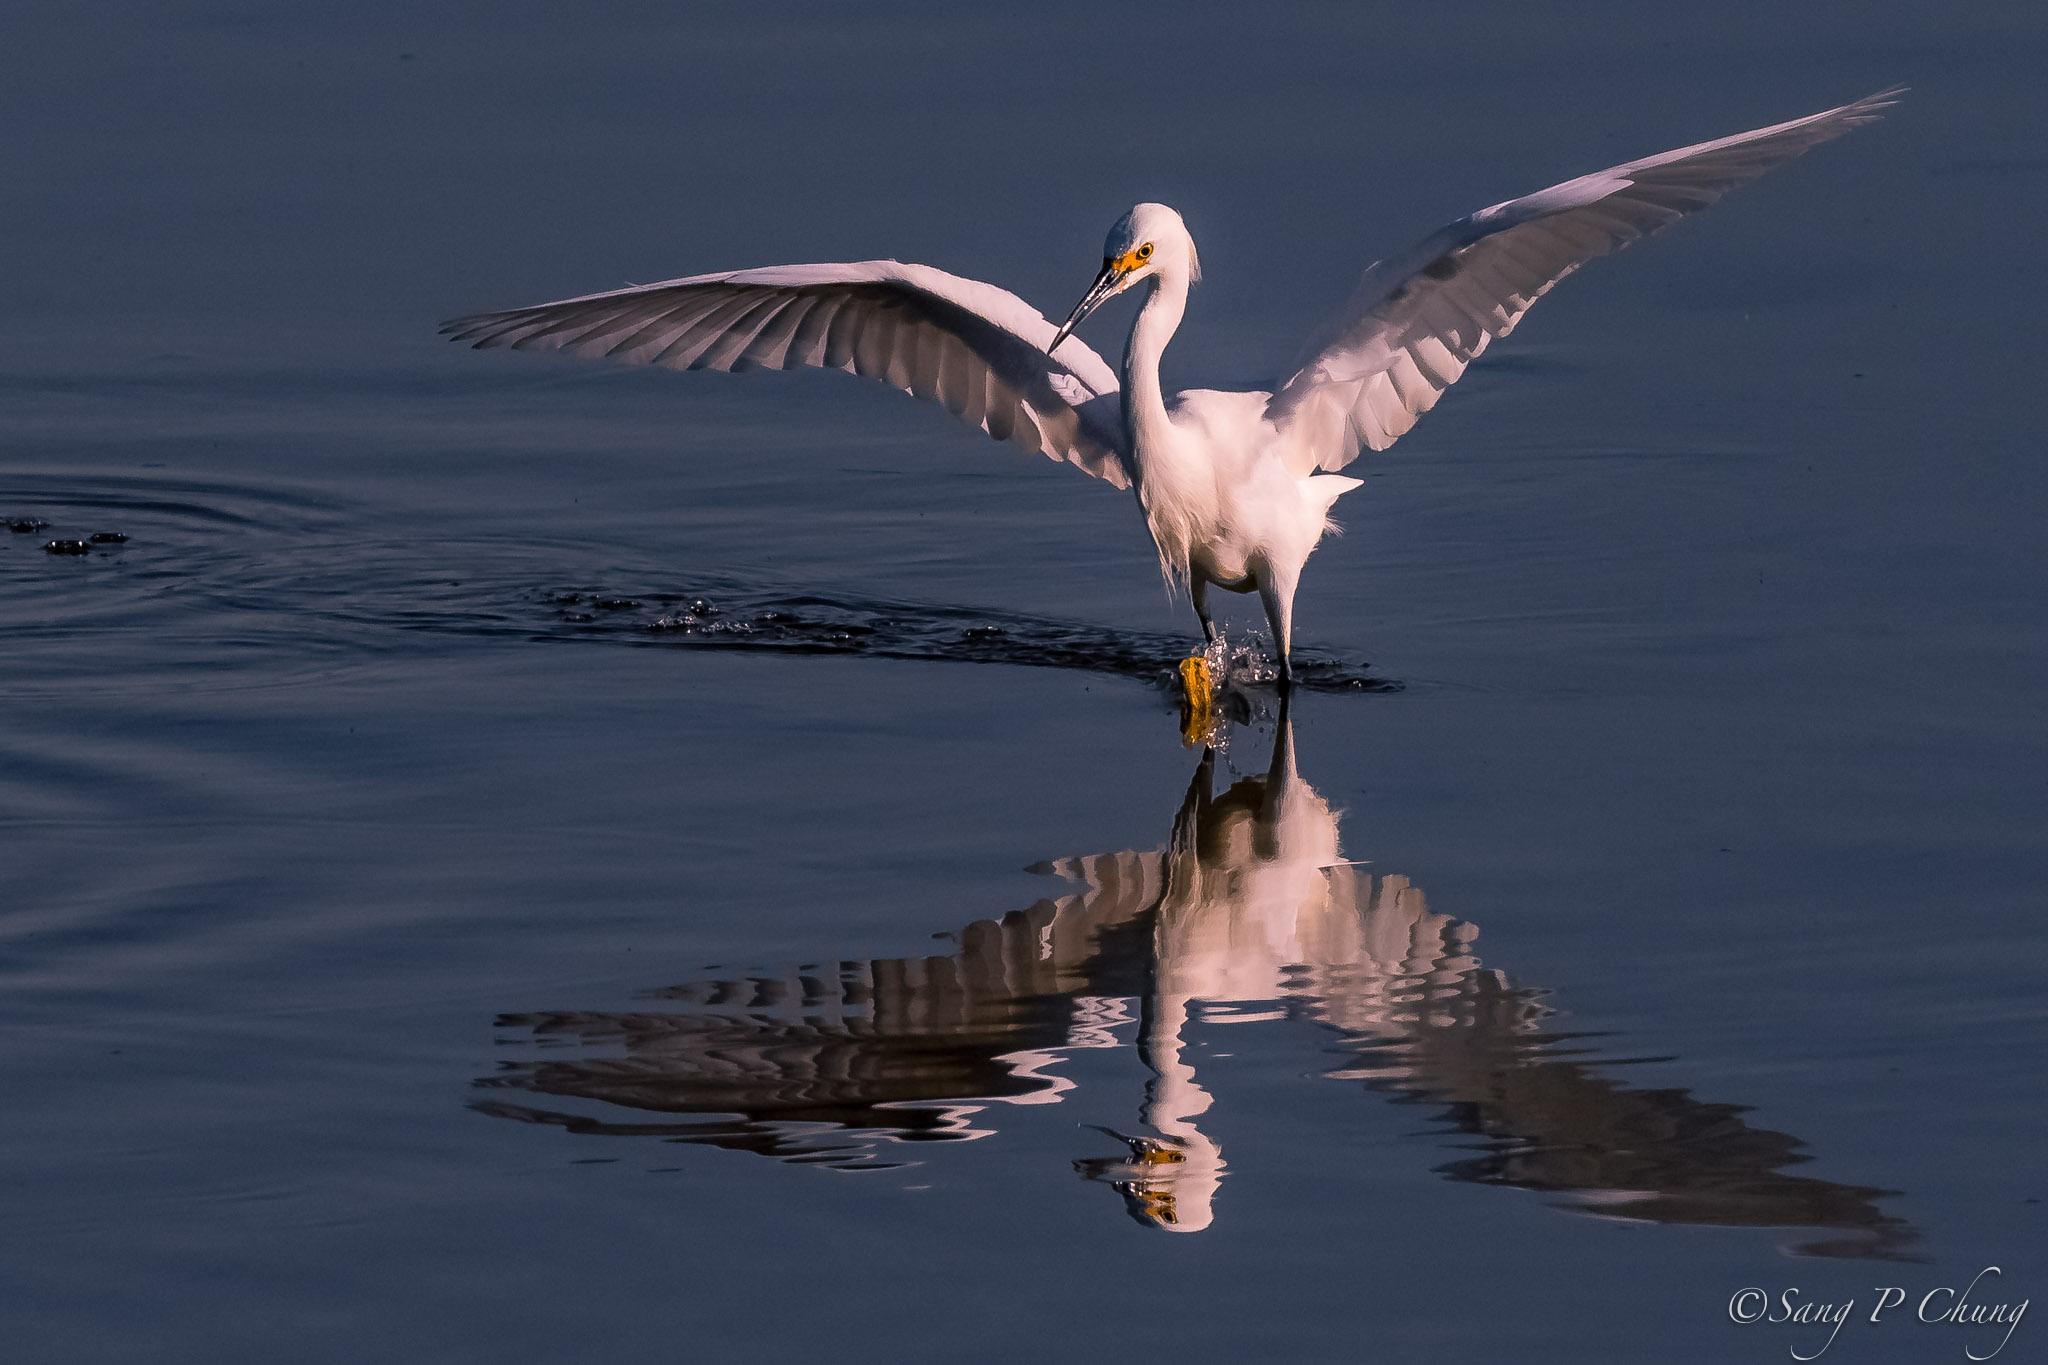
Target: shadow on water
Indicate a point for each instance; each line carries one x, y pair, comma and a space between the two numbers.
1250, 914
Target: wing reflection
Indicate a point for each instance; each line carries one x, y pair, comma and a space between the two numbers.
1250, 914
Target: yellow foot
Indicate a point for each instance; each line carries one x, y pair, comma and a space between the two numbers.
1198, 700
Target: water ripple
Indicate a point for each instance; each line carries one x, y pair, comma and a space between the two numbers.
164, 574
815, 624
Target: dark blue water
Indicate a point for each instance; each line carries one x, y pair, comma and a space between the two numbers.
515, 859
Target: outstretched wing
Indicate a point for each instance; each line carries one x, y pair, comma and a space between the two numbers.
977, 350
1416, 320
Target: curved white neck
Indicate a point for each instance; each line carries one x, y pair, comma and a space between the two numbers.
1144, 402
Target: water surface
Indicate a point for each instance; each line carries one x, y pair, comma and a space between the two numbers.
517, 859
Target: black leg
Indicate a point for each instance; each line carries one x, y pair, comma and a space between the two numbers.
1198, 593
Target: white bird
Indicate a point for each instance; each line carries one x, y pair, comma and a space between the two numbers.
1236, 487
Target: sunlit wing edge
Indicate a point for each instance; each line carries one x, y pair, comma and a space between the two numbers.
974, 349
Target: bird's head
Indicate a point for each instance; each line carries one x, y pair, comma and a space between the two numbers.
1149, 241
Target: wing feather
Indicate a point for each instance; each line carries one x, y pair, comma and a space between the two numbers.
846, 326
976, 350
727, 350
1418, 319
807, 347
647, 332
686, 332
771, 344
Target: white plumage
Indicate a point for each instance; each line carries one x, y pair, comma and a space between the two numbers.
1236, 487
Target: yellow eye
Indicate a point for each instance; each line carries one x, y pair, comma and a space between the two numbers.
1145, 252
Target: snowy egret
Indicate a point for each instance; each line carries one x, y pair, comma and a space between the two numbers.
1236, 487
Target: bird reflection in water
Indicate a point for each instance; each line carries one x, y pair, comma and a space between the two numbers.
1250, 914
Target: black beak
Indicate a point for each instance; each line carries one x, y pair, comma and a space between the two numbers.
1105, 285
